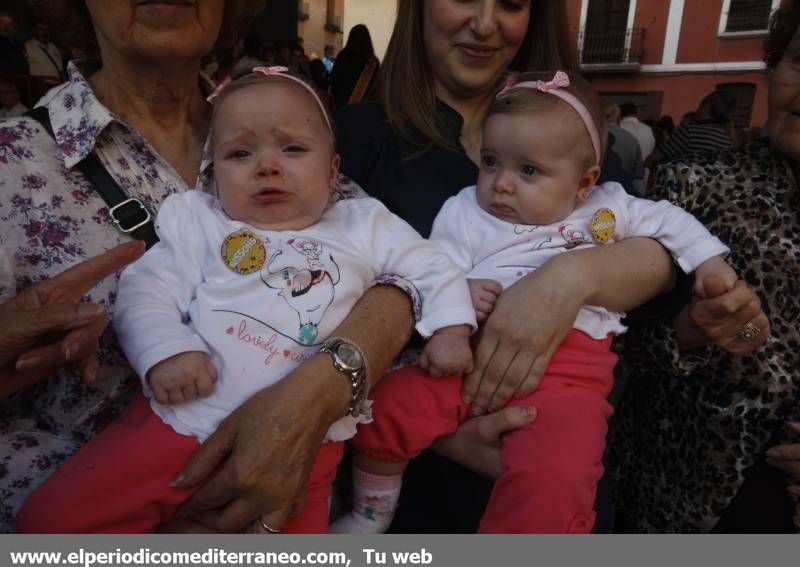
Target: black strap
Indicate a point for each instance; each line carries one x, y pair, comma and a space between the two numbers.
125, 211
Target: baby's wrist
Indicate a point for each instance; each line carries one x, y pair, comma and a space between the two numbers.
455, 330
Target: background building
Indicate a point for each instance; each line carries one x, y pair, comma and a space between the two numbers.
379, 17
320, 23
666, 55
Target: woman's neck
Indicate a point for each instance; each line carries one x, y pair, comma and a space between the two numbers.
472, 111
166, 105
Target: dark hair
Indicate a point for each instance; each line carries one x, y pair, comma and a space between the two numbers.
628, 108
667, 124
70, 22
359, 44
319, 74
252, 46
782, 28
719, 106
523, 100
405, 80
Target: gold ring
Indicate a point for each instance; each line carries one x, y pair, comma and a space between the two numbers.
267, 527
748, 332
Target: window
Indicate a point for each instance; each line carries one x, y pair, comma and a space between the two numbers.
605, 36
747, 15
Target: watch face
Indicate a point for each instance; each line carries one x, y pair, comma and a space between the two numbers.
349, 356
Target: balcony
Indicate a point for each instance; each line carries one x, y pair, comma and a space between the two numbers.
303, 11
611, 51
333, 23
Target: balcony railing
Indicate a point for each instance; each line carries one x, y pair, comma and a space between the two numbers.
333, 23
620, 49
303, 10
748, 15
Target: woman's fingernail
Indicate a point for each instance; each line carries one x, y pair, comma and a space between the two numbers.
772, 453
476, 411
177, 480
530, 411
89, 310
69, 350
793, 490
26, 362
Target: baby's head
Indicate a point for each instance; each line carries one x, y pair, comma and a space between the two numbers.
274, 154
538, 156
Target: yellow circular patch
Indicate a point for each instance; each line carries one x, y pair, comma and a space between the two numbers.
603, 225
244, 252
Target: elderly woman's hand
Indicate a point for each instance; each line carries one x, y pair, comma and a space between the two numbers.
787, 458
259, 459
721, 317
46, 326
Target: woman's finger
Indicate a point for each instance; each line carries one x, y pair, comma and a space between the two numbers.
535, 373
493, 375
483, 354
205, 461
785, 452
789, 467
88, 368
514, 377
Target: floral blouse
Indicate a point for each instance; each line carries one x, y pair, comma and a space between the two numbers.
52, 218
691, 427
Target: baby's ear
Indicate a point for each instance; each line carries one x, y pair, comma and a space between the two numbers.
336, 161
587, 182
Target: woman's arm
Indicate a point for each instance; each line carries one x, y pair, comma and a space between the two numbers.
257, 463
514, 350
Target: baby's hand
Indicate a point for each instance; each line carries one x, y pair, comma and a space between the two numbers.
183, 377
447, 352
484, 294
715, 266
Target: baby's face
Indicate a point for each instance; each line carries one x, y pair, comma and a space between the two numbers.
273, 158
529, 171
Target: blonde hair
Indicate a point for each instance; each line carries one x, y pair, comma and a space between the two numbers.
405, 81
524, 100
254, 79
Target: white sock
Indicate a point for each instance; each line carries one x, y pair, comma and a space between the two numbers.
374, 503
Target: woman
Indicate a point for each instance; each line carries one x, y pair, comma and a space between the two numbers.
356, 68
420, 145
704, 441
144, 115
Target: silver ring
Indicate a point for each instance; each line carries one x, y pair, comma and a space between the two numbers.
269, 529
748, 332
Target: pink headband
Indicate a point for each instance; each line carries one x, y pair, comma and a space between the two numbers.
556, 88
277, 72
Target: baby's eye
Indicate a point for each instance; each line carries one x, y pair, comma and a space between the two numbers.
294, 149
489, 161
238, 154
529, 170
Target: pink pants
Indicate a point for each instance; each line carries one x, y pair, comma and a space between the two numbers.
119, 482
550, 468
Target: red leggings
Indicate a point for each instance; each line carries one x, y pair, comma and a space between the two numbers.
119, 482
550, 468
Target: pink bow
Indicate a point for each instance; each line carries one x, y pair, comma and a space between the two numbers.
559, 81
276, 70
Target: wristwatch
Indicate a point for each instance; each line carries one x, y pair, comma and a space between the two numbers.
348, 358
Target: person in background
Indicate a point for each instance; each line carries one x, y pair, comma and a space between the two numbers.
667, 124
625, 146
298, 62
44, 57
13, 59
320, 81
629, 121
711, 130
9, 100
268, 55
251, 57
704, 440
356, 68
329, 59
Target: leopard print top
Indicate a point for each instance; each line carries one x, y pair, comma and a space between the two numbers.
689, 427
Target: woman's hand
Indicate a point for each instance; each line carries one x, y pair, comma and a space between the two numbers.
259, 459
476, 444
787, 458
46, 326
721, 316
533, 316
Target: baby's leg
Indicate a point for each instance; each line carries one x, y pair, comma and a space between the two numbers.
313, 519
117, 483
411, 410
551, 467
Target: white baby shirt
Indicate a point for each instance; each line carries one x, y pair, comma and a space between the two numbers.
485, 246
182, 295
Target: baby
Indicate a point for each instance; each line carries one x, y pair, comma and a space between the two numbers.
238, 292
535, 198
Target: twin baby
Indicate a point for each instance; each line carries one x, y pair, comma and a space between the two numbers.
243, 288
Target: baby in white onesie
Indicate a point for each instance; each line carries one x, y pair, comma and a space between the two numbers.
543, 141
237, 293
